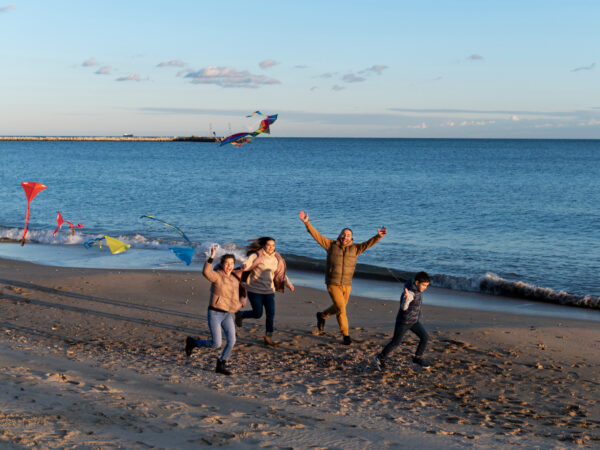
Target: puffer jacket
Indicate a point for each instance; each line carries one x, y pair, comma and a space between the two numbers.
412, 313
341, 260
224, 290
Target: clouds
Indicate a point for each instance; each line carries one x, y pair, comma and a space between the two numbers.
378, 69
172, 63
104, 70
130, 77
267, 63
232, 77
474, 57
228, 77
351, 78
362, 75
359, 76
483, 111
4, 9
497, 122
579, 69
89, 62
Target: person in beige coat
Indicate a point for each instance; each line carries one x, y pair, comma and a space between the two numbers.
341, 262
266, 271
227, 297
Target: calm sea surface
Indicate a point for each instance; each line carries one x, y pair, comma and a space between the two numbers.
490, 215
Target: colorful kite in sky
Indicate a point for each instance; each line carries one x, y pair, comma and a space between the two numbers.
239, 139
31, 190
264, 125
234, 138
116, 246
60, 221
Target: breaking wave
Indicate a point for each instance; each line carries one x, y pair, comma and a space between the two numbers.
493, 284
489, 283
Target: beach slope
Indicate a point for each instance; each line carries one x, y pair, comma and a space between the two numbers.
94, 358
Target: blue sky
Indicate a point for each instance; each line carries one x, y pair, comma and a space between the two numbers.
522, 69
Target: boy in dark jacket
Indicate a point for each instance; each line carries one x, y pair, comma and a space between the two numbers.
408, 318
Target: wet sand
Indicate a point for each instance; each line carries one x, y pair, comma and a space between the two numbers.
94, 359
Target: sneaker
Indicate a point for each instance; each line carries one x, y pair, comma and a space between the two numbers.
270, 342
379, 362
347, 340
421, 362
190, 344
320, 321
238, 319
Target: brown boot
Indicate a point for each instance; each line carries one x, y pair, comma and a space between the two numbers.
270, 342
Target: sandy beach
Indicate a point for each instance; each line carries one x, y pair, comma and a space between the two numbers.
94, 359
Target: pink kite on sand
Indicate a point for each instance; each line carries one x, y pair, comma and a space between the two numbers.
31, 190
60, 221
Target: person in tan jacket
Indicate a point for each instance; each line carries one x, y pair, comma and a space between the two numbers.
227, 297
341, 262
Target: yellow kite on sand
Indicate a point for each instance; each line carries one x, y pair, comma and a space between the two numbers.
116, 246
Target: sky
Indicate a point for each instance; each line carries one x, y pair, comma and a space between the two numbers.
391, 69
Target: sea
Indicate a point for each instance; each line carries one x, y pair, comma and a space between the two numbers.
506, 218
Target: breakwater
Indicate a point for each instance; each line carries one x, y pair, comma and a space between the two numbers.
112, 138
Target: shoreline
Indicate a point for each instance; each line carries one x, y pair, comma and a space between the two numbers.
94, 356
493, 294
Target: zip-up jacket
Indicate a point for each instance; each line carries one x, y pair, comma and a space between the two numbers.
410, 308
224, 290
341, 260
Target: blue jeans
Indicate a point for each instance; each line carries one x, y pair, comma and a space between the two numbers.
216, 321
258, 301
399, 331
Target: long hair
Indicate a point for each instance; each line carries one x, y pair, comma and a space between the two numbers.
256, 244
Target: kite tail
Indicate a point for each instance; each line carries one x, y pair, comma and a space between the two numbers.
26, 227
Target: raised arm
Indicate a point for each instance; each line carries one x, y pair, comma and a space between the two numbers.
322, 240
208, 271
381, 232
248, 263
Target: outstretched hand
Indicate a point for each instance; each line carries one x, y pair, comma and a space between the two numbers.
213, 251
303, 216
382, 231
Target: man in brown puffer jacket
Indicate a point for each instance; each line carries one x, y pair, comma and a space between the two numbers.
341, 262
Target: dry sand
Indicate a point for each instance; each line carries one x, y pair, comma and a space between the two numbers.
94, 359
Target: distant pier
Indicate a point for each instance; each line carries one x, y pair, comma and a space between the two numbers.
113, 138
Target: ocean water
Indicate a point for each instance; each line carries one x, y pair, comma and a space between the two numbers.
507, 217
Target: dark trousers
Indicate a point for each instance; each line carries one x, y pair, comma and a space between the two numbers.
399, 331
258, 301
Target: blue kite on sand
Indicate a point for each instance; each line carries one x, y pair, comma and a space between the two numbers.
186, 254
183, 253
